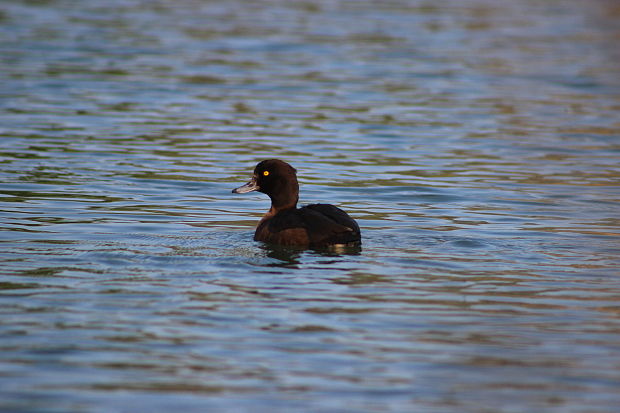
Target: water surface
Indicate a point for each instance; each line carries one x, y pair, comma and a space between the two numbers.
476, 142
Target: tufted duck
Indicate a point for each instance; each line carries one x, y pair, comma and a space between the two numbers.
313, 226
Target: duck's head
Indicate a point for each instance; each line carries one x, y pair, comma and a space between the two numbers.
275, 178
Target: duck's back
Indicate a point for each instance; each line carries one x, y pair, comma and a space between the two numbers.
316, 225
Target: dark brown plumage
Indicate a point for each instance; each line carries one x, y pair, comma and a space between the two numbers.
313, 226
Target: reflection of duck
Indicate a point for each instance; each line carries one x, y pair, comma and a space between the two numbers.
314, 226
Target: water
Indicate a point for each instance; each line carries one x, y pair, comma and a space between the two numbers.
476, 142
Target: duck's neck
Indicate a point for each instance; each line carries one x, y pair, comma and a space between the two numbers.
285, 198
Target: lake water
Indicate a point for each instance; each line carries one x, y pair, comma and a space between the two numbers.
476, 142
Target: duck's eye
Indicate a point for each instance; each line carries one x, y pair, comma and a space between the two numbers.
266, 173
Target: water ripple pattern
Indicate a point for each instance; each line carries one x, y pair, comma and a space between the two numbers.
476, 142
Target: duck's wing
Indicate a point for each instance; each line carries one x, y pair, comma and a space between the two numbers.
313, 225
335, 214
327, 224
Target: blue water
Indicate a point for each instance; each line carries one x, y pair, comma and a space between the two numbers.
477, 143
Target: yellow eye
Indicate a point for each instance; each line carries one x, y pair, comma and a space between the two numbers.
266, 173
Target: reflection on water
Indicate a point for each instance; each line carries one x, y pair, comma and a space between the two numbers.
475, 142
291, 257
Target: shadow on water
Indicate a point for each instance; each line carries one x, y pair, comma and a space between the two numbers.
291, 257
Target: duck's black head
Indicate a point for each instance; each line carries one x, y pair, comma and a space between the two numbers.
277, 179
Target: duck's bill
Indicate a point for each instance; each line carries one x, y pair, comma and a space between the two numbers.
249, 187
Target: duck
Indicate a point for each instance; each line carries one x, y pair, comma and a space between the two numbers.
311, 226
